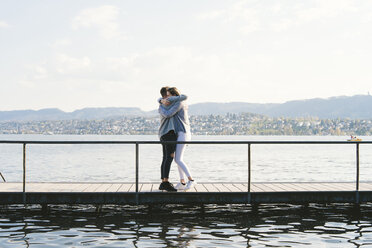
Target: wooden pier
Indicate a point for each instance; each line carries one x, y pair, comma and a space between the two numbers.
203, 193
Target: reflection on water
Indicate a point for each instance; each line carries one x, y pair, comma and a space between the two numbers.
316, 225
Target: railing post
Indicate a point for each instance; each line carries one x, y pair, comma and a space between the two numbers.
137, 165
249, 168
357, 166
357, 174
24, 167
24, 173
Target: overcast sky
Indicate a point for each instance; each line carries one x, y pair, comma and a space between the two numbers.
73, 54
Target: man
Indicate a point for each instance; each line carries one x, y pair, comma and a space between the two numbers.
166, 133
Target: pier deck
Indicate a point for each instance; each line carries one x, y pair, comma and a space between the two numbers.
203, 193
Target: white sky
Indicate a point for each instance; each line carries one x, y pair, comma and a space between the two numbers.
73, 54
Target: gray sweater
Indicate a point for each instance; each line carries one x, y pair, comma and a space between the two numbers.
169, 121
174, 117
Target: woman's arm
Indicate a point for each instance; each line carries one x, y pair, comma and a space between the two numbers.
171, 111
177, 98
172, 99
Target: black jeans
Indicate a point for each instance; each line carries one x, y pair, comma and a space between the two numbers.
168, 149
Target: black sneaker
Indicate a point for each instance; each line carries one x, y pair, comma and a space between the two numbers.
168, 186
161, 186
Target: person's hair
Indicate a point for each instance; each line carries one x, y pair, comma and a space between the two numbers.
174, 91
163, 91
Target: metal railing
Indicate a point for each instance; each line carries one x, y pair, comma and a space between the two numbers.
138, 143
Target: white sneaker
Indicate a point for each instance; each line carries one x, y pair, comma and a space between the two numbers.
190, 184
180, 186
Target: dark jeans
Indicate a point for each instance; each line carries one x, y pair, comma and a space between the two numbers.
168, 149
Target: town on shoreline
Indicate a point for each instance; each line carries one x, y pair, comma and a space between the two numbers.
228, 124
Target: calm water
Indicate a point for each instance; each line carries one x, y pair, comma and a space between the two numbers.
216, 163
188, 226
334, 225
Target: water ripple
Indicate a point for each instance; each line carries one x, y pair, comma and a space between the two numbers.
282, 225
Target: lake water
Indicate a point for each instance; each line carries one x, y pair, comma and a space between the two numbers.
279, 225
208, 163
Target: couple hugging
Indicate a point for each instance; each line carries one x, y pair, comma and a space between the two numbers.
174, 126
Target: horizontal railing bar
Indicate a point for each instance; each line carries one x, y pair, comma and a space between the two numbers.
179, 142
199, 182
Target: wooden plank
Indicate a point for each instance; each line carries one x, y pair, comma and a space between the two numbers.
256, 187
126, 187
140, 187
80, 187
315, 187
240, 187
302, 187
319, 187
290, 187
307, 186
103, 187
200, 188
296, 187
348, 186
11, 187
91, 187
281, 187
220, 187
191, 190
210, 187
51, 187
86, 186
228, 187
365, 186
299, 186
146, 187
44, 187
342, 186
58, 187
41, 187
334, 186
94, 187
114, 187
267, 187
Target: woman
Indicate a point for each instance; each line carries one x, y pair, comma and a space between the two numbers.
179, 112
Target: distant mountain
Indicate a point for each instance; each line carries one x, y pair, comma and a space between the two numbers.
232, 107
354, 107
56, 114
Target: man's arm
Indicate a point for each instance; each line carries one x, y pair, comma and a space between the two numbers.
171, 111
